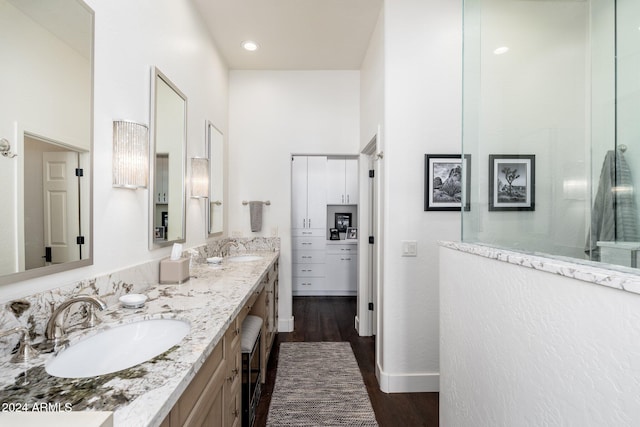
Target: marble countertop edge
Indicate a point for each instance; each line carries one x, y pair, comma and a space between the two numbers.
586, 271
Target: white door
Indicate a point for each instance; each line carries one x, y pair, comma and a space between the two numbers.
373, 247
61, 205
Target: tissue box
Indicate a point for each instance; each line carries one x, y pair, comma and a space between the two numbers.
174, 271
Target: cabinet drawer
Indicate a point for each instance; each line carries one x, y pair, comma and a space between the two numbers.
309, 257
309, 243
309, 232
308, 283
308, 270
334, 249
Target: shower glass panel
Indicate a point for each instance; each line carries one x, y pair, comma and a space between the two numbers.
550, 88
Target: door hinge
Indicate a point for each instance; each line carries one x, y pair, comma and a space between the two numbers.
371, 240
79, 172
80, 240
48, 257
370, 306
372, 173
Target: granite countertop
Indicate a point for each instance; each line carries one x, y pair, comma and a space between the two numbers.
144, 394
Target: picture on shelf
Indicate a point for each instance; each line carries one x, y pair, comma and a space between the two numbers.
333, 234
159, 233
343, 221
511, 182
352, 233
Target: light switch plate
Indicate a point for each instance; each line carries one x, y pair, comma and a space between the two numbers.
409, 248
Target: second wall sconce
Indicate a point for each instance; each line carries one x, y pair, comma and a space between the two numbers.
130, 155
199, 177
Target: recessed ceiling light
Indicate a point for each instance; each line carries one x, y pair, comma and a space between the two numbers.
250, 45
501, 50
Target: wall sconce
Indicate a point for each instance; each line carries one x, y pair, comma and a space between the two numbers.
199, 177
130, 155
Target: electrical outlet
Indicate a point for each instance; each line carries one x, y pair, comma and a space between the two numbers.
236, 233
274, 231
409, 248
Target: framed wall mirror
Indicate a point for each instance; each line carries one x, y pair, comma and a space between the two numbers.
167, 195
46, 130
215, 207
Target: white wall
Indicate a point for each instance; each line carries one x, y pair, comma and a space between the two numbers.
526, 347
130, 37
422, 115
273, 114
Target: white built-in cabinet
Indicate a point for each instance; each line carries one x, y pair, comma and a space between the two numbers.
321, 266
309, 204
162, 179
342, 181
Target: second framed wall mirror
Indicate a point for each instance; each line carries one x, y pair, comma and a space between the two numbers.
167, 195
215, 208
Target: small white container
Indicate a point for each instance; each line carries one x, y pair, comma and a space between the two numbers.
133, 300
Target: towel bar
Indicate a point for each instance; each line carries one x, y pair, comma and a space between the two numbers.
268, 202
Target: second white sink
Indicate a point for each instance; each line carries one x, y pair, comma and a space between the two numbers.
118, 348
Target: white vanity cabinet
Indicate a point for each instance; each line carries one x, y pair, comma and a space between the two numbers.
342, 181
309, 193
342, 267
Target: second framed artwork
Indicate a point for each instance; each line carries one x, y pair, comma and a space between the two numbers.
512, 182
444, 182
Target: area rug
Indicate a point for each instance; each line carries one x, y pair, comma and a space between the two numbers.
319, 384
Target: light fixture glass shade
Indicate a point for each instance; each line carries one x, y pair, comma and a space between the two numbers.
199, 177
130, 154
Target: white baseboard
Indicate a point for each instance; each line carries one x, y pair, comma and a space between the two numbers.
408, 383
285, 325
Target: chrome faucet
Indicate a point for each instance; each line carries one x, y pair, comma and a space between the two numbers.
55, 332
224, 249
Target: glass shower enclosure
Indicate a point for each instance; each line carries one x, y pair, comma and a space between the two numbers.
551, 119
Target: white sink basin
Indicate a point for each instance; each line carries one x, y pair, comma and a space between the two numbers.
244, 258
118, 348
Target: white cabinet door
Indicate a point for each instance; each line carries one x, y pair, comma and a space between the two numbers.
335, 181
342, 181
341, 277
351, 181
317, 192
299, 192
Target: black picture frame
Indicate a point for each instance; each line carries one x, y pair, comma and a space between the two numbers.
352, 233
333, 234
342, 221
443, 181
512, 182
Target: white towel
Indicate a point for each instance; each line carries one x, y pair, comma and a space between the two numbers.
255, 212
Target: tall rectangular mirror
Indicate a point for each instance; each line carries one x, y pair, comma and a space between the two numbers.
215, 152
168, 162
46, 137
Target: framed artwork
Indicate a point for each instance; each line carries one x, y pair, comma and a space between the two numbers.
512, 182
343, 221
158, 233
352, 233
444, 177
333, 234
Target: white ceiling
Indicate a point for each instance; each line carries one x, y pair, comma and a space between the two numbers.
292, 34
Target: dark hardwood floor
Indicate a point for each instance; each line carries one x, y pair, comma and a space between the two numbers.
332, 319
